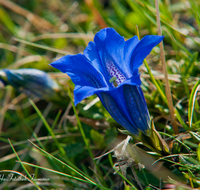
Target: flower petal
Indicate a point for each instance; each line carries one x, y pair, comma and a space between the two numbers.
110, 46
114, 110
128, 50
142, 49
110, 40
136, 106
127, 106
80, 70
134, 80
82, 92
92, 55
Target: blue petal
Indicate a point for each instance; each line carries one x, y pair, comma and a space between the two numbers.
128, 50
80, 70
108, 39
114, 110
142, 49
136, 106
92, 55
110, 46
112, 68
82, 92
134, 80
127, 106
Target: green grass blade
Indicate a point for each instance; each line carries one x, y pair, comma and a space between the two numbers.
57, 172
42, 46
47, 126
192, 102
178, 116
54, 124
162, 94
187, 147
71, 168
23, 166
191, 63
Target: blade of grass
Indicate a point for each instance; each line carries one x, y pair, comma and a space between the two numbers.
23, 165
42, 46
178, 116
62, 35
96, 14
192, 102
57, 172
170, 156
187, 147
54, 124
191, 63
162, 55
47, 126
68, 166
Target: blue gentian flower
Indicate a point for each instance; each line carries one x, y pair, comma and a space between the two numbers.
108, 68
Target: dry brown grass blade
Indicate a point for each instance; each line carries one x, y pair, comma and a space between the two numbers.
62, 35
167, 88
37, 21
99, 19
14, 49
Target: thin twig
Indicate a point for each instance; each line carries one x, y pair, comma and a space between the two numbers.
167, 88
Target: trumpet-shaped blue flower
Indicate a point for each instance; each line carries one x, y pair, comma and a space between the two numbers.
109, 67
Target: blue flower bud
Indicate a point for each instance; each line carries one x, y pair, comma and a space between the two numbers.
31, 82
